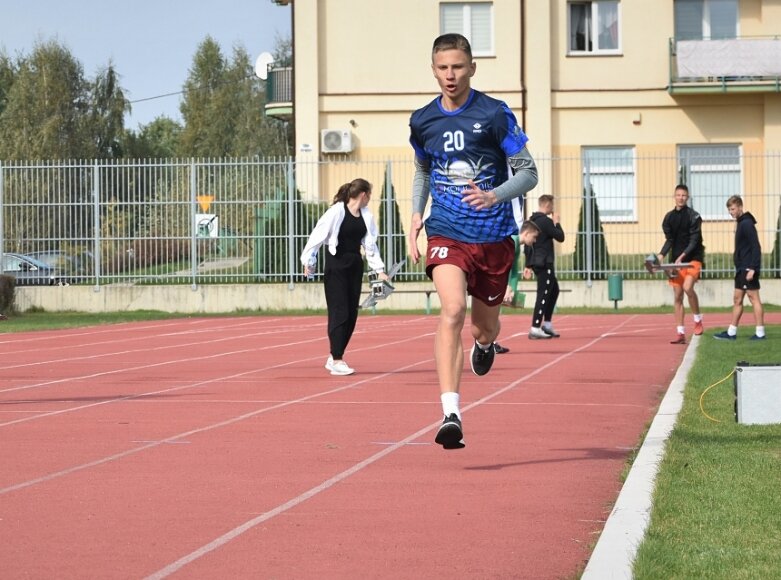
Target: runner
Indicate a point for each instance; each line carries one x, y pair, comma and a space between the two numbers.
463, 141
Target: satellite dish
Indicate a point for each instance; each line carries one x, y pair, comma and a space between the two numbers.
261, 65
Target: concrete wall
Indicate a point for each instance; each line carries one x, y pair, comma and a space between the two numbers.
410, 296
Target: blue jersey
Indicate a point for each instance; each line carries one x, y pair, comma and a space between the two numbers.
472, 142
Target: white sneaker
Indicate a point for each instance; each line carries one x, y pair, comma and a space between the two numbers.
538, 333
329, 363
340, 368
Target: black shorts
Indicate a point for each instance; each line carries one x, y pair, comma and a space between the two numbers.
742, 284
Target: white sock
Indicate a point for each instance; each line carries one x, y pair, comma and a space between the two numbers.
450, 404
760, 331
547, 324
698, 318
732, 330
681, 330
483, 346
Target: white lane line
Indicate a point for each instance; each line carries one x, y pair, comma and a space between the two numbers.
175, 438
236, 532
181, 387
210, 340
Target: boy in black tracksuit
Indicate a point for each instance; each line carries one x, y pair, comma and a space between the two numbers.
540, 258
748, 260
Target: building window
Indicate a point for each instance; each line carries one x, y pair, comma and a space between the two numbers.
713, 174
475, 20
594, 27
706, 19
610, 171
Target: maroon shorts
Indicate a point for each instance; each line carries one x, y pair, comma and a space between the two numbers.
487, 266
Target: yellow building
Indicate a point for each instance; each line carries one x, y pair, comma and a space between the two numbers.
631, 96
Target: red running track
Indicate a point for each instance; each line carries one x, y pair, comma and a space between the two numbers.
221, 448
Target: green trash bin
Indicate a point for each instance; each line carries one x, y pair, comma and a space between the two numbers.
615, 288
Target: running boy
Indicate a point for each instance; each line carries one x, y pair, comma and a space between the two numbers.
463, 140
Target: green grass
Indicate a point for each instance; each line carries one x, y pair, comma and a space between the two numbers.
41, 320
717, 504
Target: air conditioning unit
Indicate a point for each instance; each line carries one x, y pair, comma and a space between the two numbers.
336, 141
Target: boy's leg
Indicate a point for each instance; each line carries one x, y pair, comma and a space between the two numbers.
691, 294
678, 305
450, 283
737, 306
759, 310
485, 322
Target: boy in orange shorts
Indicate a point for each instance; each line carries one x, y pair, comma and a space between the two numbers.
682, 228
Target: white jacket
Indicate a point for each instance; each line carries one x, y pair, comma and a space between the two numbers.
327, 231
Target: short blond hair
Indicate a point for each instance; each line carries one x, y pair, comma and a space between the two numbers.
452, 41
735, 200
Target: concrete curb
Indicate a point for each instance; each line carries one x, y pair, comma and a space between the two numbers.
615, 552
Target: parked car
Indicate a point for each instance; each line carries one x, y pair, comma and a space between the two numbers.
77, 264
31, 272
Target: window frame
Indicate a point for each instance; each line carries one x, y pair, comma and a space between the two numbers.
594, 32
706, 22
466, 25
629, 214
712, 209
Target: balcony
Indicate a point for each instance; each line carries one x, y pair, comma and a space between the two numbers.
279, 93
725, 65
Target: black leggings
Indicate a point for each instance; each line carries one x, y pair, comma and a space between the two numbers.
343, 276
547, 294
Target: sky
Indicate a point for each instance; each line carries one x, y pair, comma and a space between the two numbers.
151, 43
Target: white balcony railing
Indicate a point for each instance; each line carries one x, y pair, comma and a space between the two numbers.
734, 63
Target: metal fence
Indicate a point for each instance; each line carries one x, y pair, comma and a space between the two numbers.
209, 221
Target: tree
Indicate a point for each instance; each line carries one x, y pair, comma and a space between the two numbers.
393, 243
283, 51
206, 129
775, 255
156, 140
44, 117
223, 108
593, 265
49, 110
108, 108
6, 79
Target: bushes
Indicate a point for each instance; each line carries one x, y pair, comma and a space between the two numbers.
392, 241
7, 293
598, 265
775, 255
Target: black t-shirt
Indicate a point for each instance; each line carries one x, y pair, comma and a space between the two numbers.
351, 232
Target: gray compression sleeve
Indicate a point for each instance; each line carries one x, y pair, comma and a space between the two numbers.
420, 184
524, 180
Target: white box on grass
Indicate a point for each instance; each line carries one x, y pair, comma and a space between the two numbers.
758, 393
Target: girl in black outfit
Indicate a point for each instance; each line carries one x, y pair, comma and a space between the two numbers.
347, 226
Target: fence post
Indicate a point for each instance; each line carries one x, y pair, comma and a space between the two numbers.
96, 249
588, 200
2, 230
389, 215
291, 238
193, 226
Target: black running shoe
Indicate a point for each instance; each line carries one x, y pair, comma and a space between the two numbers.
550, 332
450, 435
482, 359
499, 349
